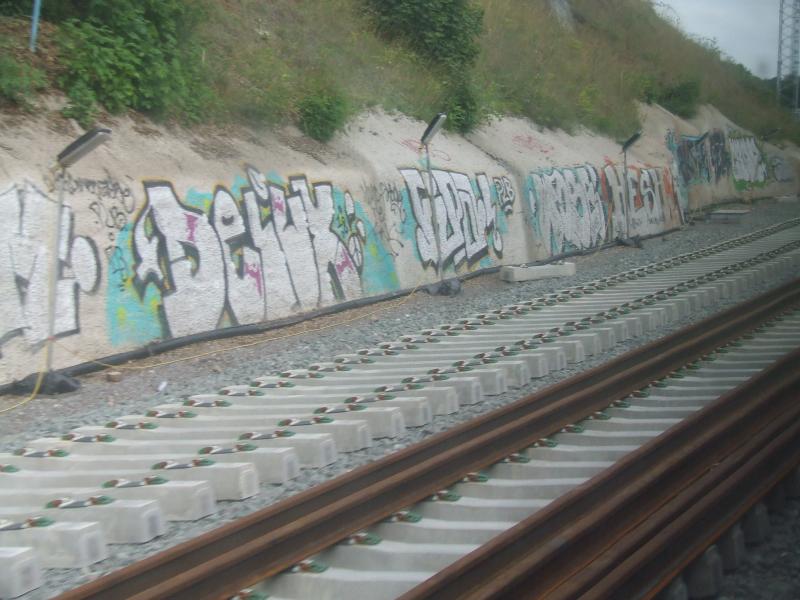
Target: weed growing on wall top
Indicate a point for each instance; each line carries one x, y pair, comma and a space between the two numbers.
82, 104
323, 110
462, 105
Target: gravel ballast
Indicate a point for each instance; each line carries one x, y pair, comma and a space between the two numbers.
100, 400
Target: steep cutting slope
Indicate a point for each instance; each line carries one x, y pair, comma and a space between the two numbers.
560, 63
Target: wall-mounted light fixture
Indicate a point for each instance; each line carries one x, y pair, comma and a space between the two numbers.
433, 128
70, 155
626, 145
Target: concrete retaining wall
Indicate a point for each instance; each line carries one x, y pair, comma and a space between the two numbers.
166, 234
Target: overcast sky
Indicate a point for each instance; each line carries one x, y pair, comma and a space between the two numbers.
747, 30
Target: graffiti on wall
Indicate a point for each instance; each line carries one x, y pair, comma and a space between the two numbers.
415, 146
567, 210
530, 143
581, 208
749, 166
465, 221
652, 201
111, 202
713, 156
692, 159
262, 249
26, 262
505, 194
781, 169
700, 159
386, 201
718, 155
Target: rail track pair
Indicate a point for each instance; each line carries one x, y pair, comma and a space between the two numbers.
625, 533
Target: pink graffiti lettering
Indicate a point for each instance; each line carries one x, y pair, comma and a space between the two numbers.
271, 265
254, 270
191, 226
344, 264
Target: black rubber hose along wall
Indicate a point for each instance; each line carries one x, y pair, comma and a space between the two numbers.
156, 348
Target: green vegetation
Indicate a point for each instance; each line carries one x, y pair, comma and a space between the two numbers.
264, 58
681, 99
323, 110
620, 51
19, 81
137, 54
443, 32
316, 63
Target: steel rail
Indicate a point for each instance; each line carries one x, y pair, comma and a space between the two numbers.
221, 562
644, 573
563, 550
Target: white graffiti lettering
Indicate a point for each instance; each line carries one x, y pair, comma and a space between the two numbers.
651, 202
26, 261
581, 208
279, 250
505, 193
183, 254
463, 216
748, 162
567, 208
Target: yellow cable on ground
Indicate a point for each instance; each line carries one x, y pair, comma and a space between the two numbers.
39, 381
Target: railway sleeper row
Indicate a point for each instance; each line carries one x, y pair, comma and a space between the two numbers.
122, 480
390, 558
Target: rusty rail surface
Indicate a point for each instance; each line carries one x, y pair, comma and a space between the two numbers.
220, 563
632, 528
688, 533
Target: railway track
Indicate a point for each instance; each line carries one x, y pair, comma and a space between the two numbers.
127, 477
724, 398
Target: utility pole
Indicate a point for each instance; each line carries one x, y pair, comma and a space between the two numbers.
788, 72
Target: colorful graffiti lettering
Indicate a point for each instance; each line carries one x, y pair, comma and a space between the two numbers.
692, 157
700, 159
566, 208
581, 208
25, 263
262, 250
718, 155
462, 222
653, 206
